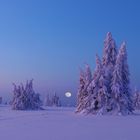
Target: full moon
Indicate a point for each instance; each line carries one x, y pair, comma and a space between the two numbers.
68, 94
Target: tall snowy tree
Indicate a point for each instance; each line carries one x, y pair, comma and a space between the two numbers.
80, 91
93, 86
121, 93
85, 80
126, 78
109, 58
97, 90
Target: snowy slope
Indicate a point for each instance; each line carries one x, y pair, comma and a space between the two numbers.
63, 124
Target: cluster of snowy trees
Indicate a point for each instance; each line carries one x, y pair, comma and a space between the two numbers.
107, 90
52, 100
25, 97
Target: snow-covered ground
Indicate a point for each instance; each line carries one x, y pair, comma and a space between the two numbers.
63, 124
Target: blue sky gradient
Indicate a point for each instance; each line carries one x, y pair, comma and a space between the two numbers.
49, 40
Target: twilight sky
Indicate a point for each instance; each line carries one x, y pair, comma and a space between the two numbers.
49, 40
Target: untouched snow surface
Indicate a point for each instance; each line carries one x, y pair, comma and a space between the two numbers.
63, 124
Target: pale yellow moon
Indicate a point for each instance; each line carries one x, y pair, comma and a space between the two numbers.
68, 94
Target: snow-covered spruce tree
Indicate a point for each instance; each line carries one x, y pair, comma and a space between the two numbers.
121, 93
85, 80
109, 59
97, 90
80, 95
25, 98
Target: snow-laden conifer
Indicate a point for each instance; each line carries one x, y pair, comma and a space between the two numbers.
109, 58
97, 98
121, 93
25, 98
85, 80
